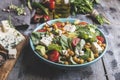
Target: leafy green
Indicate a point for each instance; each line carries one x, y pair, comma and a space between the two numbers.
87, 33
69, 43
86, 54
81, 44
36, 36
54, 47
81, 6
40, 49
64, 42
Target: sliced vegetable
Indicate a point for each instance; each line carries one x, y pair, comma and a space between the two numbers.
75, 41
53, 56
100, 38
41, 30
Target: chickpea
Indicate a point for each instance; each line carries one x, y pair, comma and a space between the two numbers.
87, 47
48, 29
75, 59
66, 62
99, 42
45, 56
89, 59
81, 61
67, 55
46, 26
67, 22
88, 44
62, 29
103, 45
63, 24
71, 53
96, 55
64, 32
55, 26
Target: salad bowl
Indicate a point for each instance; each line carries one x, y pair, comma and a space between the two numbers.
70, 63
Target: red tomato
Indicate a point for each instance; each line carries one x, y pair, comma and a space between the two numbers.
100, 38
83, 23
53, 56
41, 30
52, 4
75, 41
59, 24
46, 17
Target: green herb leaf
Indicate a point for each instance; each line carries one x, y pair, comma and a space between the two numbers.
54, 47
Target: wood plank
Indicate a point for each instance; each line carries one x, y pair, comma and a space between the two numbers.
112, 58
9, 64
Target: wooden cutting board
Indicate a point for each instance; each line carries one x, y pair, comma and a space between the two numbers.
9, 64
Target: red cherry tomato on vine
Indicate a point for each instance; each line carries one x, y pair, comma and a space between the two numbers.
52, 4
75, 41
53, 56
100, 38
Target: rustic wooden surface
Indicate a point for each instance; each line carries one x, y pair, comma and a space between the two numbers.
28, 66
9, 64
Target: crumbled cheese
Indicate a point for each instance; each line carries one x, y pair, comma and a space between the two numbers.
96, 48
60, 32
81, 53
70, 28
12, 53
64, 52
46, 40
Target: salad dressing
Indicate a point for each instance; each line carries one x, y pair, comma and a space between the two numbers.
62, 8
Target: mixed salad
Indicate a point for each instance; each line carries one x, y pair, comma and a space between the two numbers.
68, 43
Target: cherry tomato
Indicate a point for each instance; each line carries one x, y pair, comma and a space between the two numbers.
52, 4
46, 17
59, 24
53, 56
75, 41
41, 30
83, 23
100, 38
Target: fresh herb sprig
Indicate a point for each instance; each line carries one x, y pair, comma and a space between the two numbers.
87, 7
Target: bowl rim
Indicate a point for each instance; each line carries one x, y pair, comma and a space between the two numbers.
63, 65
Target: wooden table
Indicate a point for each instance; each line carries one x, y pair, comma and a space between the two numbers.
28, 66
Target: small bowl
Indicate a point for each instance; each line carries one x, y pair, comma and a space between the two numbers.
63, 66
